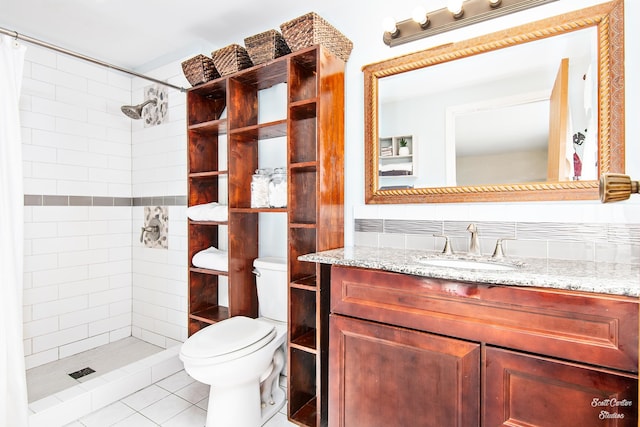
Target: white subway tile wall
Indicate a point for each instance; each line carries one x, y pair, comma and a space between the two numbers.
77, 296
159, 168
88, 281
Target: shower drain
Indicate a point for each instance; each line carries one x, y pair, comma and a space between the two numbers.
81, 373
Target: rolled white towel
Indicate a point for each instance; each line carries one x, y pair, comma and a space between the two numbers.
208, 212
212, 259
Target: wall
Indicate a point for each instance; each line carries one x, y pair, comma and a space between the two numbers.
366, 34
77, 183
159, 276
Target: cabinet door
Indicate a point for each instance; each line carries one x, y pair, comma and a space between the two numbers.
385, 376
526, 390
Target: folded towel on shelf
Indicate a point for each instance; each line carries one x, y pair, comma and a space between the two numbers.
208, 212
395, 173
212, 259
396, 167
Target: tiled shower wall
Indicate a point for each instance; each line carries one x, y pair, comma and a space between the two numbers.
77, 181
159, 163
88, 173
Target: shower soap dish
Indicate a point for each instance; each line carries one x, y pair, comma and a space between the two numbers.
266, 46
311, 29
231, 59
199, 69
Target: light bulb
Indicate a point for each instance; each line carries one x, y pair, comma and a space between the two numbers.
455, 7
389, 25
419, 15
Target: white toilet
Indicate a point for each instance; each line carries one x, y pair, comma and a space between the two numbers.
242, 358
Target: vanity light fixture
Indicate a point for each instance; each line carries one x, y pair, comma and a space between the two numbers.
615, 187
457, 14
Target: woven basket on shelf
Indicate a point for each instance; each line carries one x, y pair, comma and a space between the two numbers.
310, 29
266, 46
199, 69
231, 59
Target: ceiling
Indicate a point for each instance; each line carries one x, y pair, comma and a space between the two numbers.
141, 34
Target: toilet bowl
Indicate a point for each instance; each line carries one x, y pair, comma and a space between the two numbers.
242, 358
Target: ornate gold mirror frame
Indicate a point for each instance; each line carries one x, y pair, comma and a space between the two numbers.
608, 18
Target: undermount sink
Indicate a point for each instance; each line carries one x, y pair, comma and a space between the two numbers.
468, 264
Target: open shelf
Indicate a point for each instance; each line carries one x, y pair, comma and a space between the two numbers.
208, 271
306, 342
257, 210
303, 406
314, 132
211, 314
307, 415
308, 283
208, 174
218, 127
256, 132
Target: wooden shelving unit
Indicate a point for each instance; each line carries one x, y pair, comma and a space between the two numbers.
314, 128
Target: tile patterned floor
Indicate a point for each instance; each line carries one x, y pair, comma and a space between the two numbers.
176, 401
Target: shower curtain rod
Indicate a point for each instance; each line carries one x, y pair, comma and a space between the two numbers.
44, 44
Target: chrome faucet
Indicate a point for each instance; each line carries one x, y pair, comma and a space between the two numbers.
474, 243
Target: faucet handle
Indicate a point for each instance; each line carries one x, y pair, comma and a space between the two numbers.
447, 245
499, 250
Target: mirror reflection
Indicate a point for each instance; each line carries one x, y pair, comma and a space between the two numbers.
535, 112
469, 122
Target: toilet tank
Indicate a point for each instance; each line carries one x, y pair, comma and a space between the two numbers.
271, 284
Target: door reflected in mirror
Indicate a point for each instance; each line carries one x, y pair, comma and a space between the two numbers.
526, 111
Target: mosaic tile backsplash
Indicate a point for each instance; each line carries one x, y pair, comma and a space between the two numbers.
619, 243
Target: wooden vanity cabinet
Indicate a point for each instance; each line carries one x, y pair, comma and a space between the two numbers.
407, 350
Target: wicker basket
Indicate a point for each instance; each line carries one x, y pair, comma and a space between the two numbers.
266, 46
231, 59
199, 69
310, 29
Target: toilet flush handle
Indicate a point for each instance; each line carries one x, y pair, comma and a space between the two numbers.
256, 272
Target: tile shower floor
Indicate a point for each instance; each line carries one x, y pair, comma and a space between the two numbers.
53, 377
176, 401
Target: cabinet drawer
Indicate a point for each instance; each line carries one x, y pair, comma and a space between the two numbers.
525, 390
590, 328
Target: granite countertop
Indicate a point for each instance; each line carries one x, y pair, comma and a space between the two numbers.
605, 278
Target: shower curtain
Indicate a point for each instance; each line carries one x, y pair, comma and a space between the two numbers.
13, 388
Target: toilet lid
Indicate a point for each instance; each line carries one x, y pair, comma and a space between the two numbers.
237, 334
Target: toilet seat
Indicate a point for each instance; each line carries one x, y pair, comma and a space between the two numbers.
227, 340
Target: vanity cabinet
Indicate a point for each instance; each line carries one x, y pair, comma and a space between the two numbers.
223, 153
409, 350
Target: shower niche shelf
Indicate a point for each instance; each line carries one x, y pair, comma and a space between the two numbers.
314, 131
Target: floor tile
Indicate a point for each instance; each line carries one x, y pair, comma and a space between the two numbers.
176, 381
165, 409
136, 420
107, 416
145, 397
192, 417
194, 392
279, 420
204, 403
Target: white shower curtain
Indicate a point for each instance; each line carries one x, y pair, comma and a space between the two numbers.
13, 388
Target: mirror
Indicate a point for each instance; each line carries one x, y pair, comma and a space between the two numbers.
436, 132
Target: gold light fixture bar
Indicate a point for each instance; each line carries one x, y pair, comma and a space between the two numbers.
441, 20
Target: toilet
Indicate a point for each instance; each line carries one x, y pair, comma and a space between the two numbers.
242, 358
